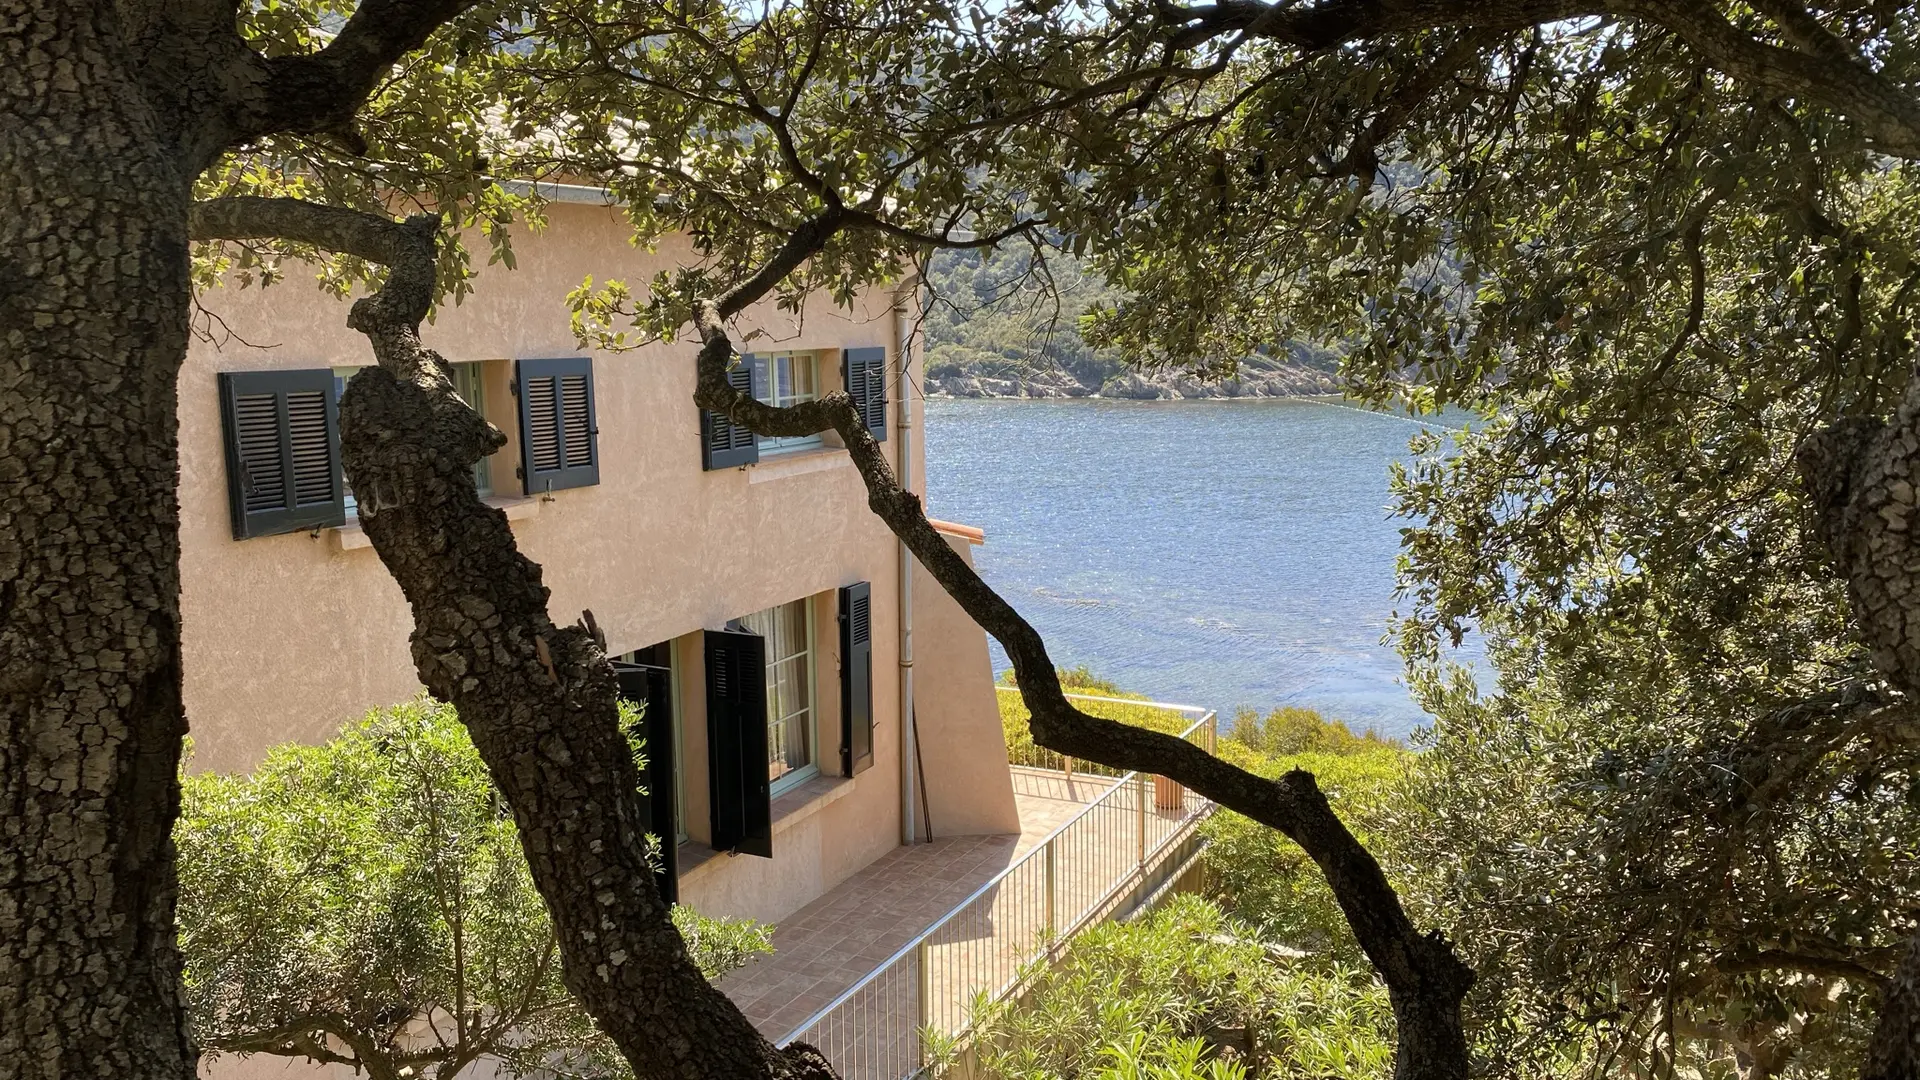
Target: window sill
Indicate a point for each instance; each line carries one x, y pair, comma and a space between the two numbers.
797, 462
789, 809
350, 537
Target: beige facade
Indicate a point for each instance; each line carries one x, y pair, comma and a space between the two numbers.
289, 636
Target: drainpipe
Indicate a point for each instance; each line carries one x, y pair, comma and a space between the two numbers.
903, 428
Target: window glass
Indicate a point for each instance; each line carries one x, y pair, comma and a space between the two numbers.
788, 630
788, 379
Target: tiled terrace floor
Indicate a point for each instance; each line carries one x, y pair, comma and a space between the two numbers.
828, 945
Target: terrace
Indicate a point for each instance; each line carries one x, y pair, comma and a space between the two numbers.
906, 947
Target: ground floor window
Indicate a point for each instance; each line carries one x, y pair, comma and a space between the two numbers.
788, 630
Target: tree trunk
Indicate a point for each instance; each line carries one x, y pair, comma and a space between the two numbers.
93, 329
1895, 1051
1862, 475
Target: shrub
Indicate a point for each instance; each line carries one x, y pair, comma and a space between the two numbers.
1291, 730
367, 903
1265, 880
1186, 992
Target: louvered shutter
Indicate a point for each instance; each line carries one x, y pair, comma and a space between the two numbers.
283, 451
856, 678
740, 804
866, 377
559, 431
724, 444
651, 688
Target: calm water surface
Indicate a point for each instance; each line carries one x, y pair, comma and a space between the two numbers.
1213, 553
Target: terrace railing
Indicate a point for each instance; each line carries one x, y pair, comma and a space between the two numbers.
1118, 850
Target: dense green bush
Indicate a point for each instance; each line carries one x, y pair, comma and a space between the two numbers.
1187, 992
1265, 880
366, 903
1292, 730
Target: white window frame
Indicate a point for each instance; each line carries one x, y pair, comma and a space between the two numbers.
790, 443
807, 658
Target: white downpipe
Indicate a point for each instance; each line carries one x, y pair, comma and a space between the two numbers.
903, 426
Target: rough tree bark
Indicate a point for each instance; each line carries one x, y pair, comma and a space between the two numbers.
93, 326
1425, 980
538, 699
1861, 475
108, 112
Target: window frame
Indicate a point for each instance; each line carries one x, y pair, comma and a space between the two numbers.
808, 659
768, 392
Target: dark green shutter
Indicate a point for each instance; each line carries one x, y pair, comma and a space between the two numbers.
282, 432
559, 431
866, 376
856, 678
724, 444
737, 774
651, 688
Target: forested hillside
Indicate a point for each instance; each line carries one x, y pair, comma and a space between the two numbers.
1000, 327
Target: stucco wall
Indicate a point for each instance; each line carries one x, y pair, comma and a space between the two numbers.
287, 637
969, 789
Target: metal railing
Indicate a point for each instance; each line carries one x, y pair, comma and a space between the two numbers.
1110, 854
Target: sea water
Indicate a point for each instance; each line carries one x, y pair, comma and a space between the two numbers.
1216, 553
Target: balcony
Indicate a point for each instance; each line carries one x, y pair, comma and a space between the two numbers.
906, 947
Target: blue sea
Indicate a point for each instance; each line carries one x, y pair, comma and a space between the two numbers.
1216, 553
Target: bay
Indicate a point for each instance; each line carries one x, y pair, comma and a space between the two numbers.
1216, 553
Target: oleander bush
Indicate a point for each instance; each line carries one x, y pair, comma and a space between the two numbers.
366, 903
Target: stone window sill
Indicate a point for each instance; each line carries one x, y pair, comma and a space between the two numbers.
350, 536
790, 808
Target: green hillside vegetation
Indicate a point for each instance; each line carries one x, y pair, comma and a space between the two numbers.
1000, 315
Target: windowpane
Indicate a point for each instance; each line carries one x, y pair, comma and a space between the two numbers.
789, 686
792, 378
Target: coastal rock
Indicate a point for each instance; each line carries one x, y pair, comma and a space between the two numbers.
1252, 382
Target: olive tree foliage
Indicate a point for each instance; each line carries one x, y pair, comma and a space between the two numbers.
365, 903
1658, 249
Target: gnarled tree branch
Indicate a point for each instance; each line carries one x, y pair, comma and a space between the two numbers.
1815, 70
1424, 979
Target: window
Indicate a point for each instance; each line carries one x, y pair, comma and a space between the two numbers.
469, 383
782, 379
788, 630
472, 388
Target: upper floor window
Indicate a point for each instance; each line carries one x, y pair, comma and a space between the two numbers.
783, 379
472, 388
